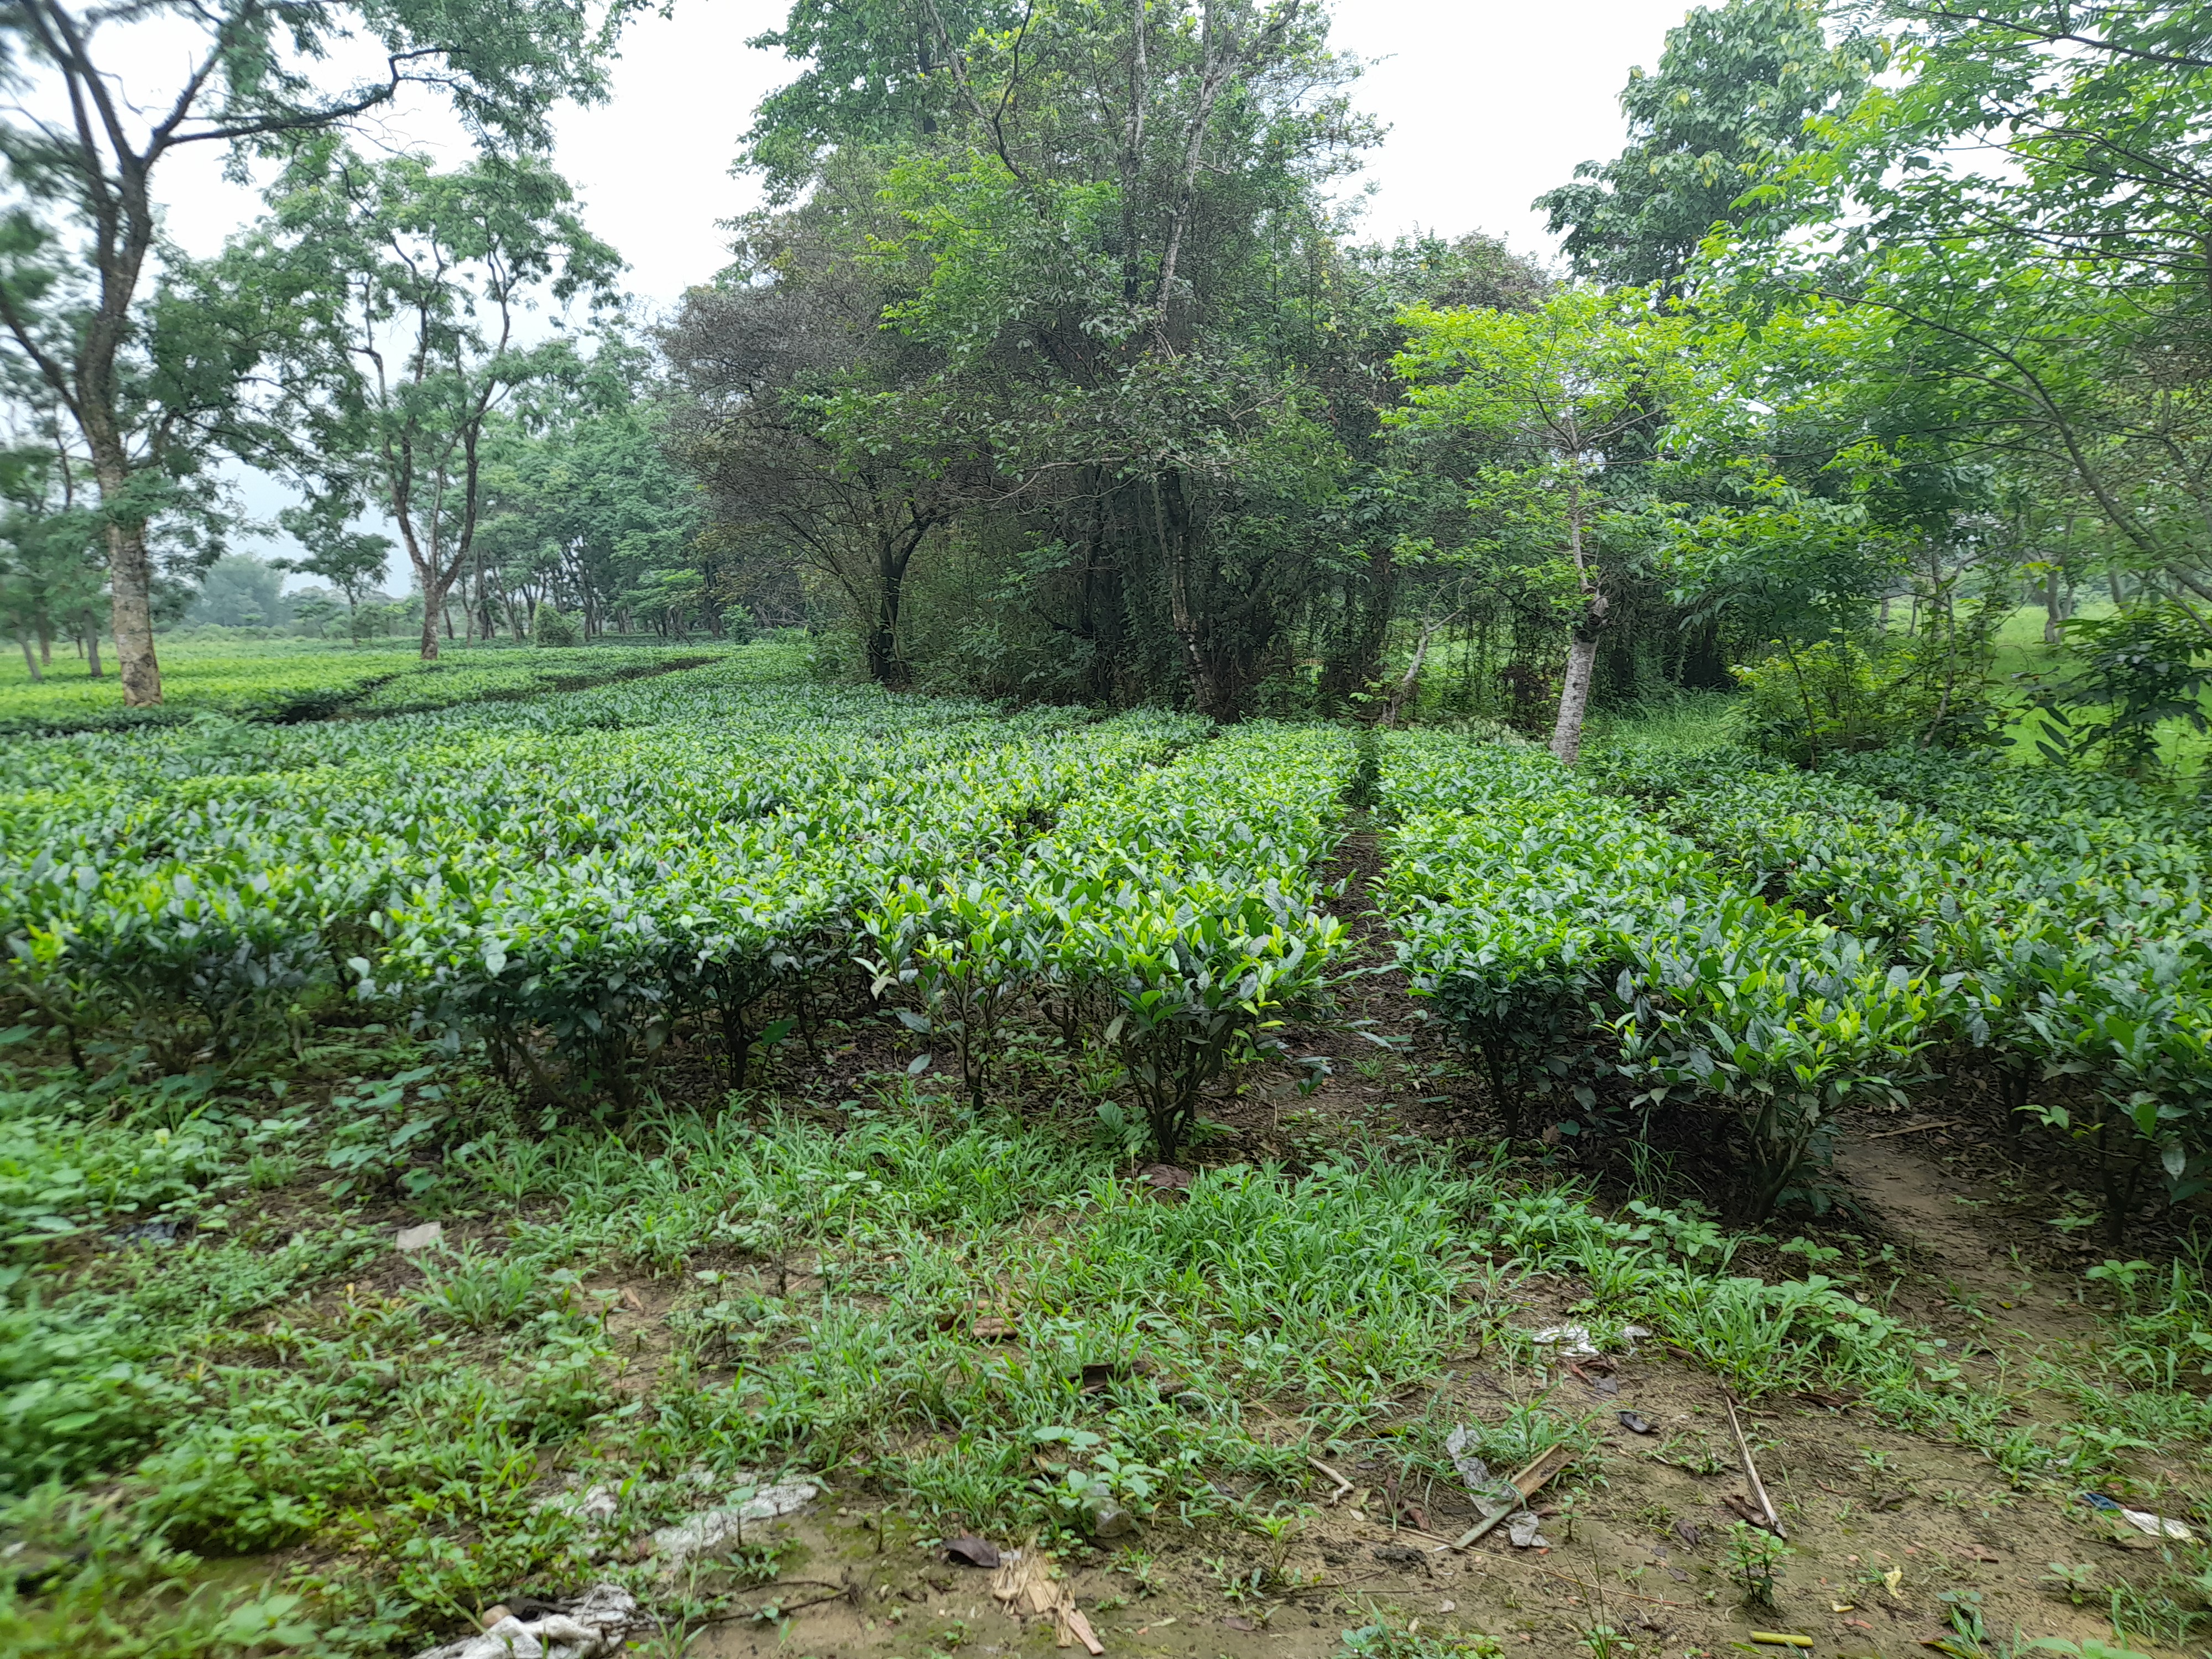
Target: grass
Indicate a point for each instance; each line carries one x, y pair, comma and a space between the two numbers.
383, 1432
284, 678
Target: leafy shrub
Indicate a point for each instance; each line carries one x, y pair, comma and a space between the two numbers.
549, 627
1808, 703
1564, 933
2140, 668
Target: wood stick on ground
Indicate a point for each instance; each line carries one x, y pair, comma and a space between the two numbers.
1918, 1128
1526, 1484
1751, 1470
1343, 1485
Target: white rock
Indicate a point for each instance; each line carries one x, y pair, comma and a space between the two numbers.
421, 1237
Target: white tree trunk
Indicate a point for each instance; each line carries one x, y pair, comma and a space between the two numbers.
1574, 698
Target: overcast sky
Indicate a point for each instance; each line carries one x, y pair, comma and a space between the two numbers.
1488, 103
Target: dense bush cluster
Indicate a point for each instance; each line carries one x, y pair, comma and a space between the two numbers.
1560, 930
563, 885
2067, 933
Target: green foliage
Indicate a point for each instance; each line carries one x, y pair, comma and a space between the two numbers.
1559, 930
1168, 914
2164, 1319
1757, 1557
284, 681
549, 627
1724, 114
2141, 668
1170, 919
1387, 1641
2062, 958
1828, 698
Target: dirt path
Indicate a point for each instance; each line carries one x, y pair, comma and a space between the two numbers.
1965, 1267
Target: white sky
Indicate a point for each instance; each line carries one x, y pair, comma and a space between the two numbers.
1488, 103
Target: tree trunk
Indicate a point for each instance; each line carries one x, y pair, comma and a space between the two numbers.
434, 605
129, 580
30, 660
1582, 644
92, 649
1406, 686
2054, 609
1574, 696
1174, 541
885, 666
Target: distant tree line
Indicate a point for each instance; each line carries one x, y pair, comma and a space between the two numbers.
1052, 367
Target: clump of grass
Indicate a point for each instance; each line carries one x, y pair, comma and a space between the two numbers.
1756, 1557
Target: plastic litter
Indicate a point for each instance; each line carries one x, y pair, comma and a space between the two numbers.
1527, 1532
1487, 1490
1472, 1470
595, 1626
2155, 1526
1575, 1342
716, 1528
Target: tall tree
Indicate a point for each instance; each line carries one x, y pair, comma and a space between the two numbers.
1105, 214
82, 157
1724, 116
2015, 224
1565, 394
408, 286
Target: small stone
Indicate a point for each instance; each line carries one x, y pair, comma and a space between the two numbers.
421, 1237
496, 1611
